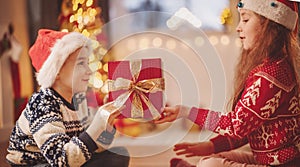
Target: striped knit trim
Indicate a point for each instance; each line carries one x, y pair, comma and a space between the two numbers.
39, 123
89, 142
83, 147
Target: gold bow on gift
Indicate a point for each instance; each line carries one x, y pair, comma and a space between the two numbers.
137, 88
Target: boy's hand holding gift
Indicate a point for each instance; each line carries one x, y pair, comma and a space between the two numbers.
101, 129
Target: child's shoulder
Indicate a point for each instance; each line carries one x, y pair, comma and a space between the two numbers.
44, 97
43, 106
277, 72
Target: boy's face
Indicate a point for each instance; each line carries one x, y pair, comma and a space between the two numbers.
74, 74
248, 28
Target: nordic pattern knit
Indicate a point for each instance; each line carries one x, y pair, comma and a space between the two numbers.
267, 116
49, 131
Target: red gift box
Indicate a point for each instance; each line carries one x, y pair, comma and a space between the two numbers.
137, 86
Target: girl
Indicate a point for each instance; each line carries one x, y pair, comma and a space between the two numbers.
265, 105
52, 130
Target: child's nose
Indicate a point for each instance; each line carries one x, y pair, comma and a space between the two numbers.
238, 28
88, 71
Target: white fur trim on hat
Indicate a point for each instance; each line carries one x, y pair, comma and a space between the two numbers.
273, 10
59, 53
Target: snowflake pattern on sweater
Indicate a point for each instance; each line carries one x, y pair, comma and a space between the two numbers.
267, 116
49, 131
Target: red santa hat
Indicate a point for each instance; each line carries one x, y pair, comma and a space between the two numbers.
50, 51
283, 12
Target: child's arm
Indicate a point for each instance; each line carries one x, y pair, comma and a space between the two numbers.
51, 136
225, 143
257, 104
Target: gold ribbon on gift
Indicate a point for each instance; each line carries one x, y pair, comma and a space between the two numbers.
138, 89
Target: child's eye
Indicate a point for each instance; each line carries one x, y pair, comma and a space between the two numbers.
245, 20
81, 63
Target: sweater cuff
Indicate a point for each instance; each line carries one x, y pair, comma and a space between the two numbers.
198, 116
88, 141
107, 137
221, 143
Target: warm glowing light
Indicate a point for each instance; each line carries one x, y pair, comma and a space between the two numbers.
131, 44
89, 3
102, 51
80, 26
97, 80
95, 44
105, 67
104, 88
157, 42
171, 44
199, 41
72, 19
92, 57
84, 14
174, 22
225, 40
213, 40
79, 19
144, 43
98, 75
64, 30
75, 6
93, 12
86, 20
86, 33
104, 77
94, 66
79, 11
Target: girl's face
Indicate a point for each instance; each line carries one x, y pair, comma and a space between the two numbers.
249, 28
74, 74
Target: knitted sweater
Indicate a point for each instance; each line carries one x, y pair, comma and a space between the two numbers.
49, 131
267, 116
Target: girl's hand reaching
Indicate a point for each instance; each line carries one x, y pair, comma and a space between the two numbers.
170, 114
194, 149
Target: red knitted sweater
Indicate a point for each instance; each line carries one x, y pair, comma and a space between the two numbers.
267, 116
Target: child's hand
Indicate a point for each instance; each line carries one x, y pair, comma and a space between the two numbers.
113, 112
194, 149
103, 120
170, 114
